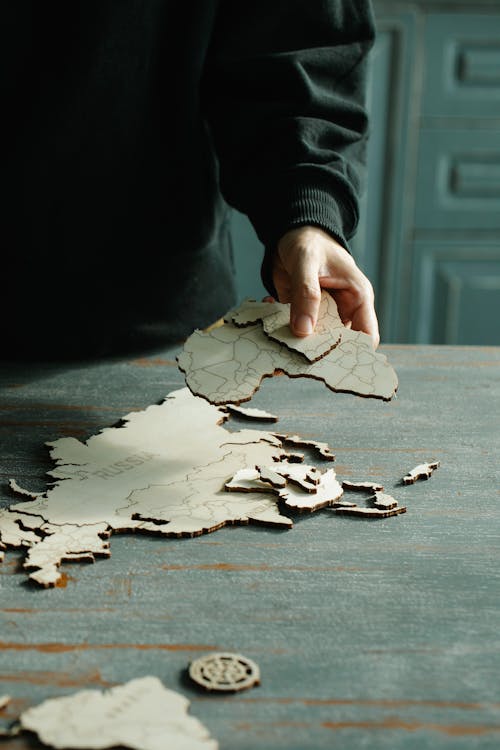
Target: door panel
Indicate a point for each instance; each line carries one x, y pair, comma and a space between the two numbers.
458, 180
462, 71
456, 293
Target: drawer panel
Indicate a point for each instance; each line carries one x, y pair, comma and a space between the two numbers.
456, 293
462, 65
458, 179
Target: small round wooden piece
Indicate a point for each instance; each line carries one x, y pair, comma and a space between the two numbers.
225, 672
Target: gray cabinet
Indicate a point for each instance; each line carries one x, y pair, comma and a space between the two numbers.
429, 235
434, 250
456, 248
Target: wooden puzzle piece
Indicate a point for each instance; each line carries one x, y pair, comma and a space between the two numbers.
251, 312
422, 471
141, 714
362, 486
275, 320
300, 497
313, 476
356, 510
326, 336
225, 672
65, 543
247, 480
383, 501
323, 449
249, 413
292, 457
13, 533
267, 475
299, 474
327, 493
20, 491
228, 364
163, 472
382, 504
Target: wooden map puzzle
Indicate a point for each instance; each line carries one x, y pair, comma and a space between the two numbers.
227, 363
171, 470
174, 469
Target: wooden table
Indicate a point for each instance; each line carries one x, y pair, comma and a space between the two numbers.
376, 634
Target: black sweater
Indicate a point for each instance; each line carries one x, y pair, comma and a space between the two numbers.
128, 124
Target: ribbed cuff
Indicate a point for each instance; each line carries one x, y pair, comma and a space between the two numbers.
305, 206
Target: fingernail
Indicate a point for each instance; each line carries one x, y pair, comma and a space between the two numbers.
303, 324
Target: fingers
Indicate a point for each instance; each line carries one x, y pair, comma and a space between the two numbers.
308, 260
305, 297
365, 319
356, 304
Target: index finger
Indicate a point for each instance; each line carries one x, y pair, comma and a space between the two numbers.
364, 319
305, 298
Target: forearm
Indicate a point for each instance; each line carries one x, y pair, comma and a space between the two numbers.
285, 99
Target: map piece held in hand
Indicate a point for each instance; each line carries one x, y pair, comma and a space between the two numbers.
275, 319
227, 364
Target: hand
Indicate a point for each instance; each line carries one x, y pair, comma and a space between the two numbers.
308, 260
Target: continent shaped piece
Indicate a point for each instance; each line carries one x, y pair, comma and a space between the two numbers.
162, 472
228, 364
275, 319
141, 714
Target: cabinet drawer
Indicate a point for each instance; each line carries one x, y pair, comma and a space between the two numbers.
458, 179
456, 293
462, 65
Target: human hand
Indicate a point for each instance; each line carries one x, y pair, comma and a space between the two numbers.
308, 260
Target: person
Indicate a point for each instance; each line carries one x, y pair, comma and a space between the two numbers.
130, 127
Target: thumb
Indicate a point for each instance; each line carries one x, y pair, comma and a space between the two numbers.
305, 298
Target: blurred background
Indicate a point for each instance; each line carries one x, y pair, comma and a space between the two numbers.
429, 235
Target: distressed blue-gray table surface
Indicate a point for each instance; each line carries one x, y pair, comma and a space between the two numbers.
369, 634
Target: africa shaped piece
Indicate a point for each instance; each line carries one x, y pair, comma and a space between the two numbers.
228, 364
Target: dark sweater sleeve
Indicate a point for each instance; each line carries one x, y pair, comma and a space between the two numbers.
284, 97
